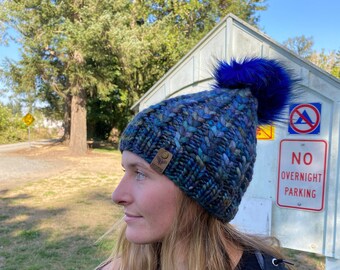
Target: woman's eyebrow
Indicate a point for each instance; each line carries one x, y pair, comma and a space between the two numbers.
137, 164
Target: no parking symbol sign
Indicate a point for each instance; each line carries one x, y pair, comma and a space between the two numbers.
304, 118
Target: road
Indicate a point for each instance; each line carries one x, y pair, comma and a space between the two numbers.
5, 148
18, 166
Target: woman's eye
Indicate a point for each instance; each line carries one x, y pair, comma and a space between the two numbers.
140, 176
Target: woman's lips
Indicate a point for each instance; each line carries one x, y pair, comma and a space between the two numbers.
131, 217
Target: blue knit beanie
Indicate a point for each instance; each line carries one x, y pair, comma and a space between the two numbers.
206, 142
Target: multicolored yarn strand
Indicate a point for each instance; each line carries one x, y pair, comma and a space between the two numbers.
212, 134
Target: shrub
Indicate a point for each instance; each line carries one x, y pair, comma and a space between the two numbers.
12, 129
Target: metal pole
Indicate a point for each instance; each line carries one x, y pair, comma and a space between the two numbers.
29, 137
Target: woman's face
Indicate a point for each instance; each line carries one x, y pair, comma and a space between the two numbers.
149, 200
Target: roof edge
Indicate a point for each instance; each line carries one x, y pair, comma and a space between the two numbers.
250, 27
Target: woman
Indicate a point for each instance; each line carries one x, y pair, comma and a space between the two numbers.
188, 161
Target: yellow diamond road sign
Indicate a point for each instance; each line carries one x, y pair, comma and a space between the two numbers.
28, 119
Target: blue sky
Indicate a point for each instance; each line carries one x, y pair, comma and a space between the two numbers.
285, 19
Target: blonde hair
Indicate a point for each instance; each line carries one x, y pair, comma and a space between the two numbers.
198, 237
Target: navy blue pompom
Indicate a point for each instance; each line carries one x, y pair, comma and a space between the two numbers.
269, 81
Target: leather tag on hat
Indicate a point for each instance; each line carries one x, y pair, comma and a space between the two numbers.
161, 160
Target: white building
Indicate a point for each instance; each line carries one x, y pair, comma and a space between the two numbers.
304, 215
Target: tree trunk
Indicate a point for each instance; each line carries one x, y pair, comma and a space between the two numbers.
78, 139
67, 120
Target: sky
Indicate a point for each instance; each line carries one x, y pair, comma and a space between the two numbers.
283, 19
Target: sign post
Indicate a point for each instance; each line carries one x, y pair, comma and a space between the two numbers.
28, 119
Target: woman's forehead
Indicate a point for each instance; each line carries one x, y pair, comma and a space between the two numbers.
130, 159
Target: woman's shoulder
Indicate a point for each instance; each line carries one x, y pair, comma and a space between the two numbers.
110, 264
259, 261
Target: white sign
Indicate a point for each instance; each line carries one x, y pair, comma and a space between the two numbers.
302, 174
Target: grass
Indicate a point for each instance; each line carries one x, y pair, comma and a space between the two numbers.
305, 260
53, 223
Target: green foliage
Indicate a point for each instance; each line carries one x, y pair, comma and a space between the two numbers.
66, 53
164, 31
102, 115
29, 234
335, 70
12, 129
327, 61
303, 47
112, 50
300, 45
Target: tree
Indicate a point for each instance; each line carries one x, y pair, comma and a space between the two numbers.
328, 62
103, 115
300, 45
303, 46
66, 49
76, 51
160, 32
155, 35
19, 80
12, 129
336, 69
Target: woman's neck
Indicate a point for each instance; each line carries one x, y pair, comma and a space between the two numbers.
235, 253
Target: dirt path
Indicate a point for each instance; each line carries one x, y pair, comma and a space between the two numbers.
21, 166
18, 167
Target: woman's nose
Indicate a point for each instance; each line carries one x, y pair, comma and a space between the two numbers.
122, 194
